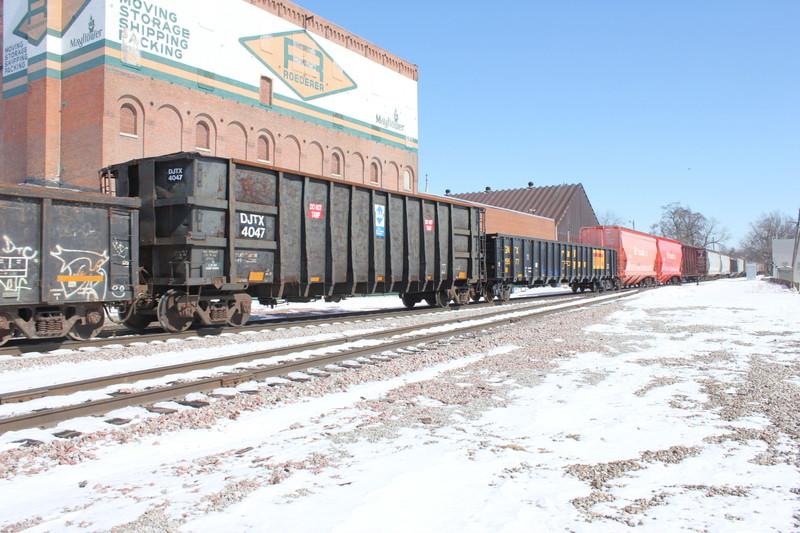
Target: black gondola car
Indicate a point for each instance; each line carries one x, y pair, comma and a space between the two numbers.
523, 261
64, 255
216, 232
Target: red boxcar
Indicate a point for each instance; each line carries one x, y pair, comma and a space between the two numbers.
695, 263
668, 262
637, 252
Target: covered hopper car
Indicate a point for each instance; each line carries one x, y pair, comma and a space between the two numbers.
725, 265
669, 261
737, 267
637, 253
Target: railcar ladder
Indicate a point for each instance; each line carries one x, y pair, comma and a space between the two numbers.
484, 273
118, 255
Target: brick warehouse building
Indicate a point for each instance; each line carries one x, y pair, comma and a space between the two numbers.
88, 83
567, 205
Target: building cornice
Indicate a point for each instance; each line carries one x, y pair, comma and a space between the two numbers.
319, 26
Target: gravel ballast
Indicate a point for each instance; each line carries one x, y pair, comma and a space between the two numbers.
674, 410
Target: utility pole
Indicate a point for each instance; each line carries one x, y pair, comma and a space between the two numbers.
796, 242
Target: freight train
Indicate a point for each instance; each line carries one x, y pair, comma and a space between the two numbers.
190, 239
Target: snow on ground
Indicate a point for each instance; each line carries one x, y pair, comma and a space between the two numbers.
370, 302
675, 409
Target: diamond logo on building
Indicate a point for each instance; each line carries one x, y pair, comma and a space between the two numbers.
297, 59
33, 26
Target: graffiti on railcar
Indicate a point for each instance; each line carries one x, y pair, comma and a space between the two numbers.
15, 264
82, 275
121, 252
121, 256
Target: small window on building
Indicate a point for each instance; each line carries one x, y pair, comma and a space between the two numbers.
127, 120
203, 136
407, 180
336, 165
374, 174
266, 90
263, 149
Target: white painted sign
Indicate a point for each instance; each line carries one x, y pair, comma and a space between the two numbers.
380, 220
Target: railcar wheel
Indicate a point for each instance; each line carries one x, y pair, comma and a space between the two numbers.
505, 293
239, 318
409, 300
488, 292
463, 297
172, 312
137, 322
442, 299
89, 326
574, 287
241, 314
6, 328
430, 300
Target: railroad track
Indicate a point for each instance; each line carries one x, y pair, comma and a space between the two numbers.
340, 352
124, 336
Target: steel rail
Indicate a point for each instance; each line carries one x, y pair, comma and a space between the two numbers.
126, 336
177, 390
138, 375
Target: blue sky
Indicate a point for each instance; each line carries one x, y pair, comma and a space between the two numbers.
645, 102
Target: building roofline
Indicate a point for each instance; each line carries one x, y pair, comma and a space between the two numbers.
472, 202
333, 32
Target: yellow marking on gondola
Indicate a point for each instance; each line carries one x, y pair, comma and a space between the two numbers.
69, 279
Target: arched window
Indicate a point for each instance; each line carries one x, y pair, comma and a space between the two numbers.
336, 165
203, 136
127, 120
374, 173
263, 149
407, 180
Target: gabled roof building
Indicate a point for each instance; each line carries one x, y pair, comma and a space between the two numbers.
568, 205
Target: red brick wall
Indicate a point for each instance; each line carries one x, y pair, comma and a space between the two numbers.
82, 137
514, 223
89, 131
13, 139
169, 114
43, 128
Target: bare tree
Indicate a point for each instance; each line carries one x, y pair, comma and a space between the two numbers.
757, 244
689, 227
610, 218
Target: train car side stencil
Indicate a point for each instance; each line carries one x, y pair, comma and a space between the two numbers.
14, 265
